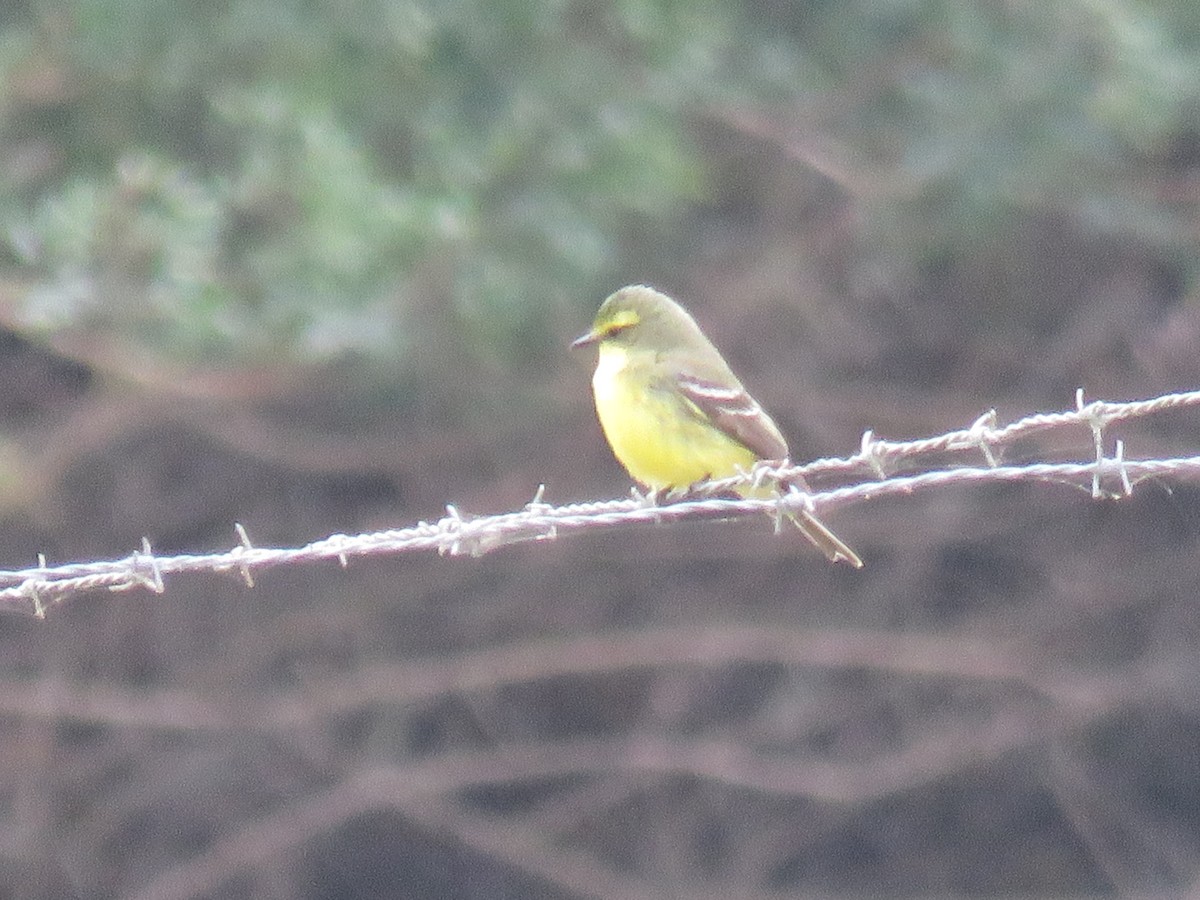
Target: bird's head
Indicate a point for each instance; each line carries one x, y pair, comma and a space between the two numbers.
639, 316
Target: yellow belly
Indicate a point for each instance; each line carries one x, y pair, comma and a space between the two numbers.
660, 440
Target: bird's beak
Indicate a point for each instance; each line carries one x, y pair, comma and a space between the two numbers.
586, 339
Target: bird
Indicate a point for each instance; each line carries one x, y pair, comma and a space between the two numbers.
672, 410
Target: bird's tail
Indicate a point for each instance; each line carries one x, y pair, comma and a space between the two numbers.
823, 539
818, 534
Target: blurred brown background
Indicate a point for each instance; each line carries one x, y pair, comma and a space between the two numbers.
314, 268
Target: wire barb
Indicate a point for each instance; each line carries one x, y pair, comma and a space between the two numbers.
338, 541
1092, 414
539, 507
1119, 459
144, 571
872, 451
30, 589
981, 431
243, 547
461, 537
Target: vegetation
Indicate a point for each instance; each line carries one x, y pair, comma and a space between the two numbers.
226, 180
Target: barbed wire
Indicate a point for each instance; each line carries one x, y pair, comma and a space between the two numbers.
38, 588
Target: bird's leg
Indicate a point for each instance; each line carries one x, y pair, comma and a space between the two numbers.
695, 489
648, 498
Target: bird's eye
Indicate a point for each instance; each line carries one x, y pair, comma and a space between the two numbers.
625, 319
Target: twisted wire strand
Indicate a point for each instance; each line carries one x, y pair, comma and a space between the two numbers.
37, 588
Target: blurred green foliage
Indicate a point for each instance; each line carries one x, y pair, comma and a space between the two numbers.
234, 179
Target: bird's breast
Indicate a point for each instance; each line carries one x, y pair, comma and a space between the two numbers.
607, 382
653, 432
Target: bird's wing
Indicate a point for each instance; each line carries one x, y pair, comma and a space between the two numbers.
735, 413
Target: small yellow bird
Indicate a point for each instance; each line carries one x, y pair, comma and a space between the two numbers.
673, 411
